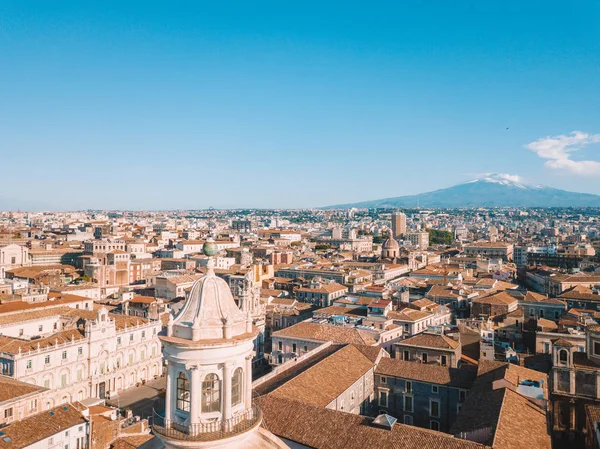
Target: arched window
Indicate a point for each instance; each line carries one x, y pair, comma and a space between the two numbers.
183, 393
211, 394
236, 386
562, 356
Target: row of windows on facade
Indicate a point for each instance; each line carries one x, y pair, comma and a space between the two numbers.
294, 347
55, 327
57, 438
102, 365
424, 357
434, 409
64, 379
211, 392
8, 412
434, 389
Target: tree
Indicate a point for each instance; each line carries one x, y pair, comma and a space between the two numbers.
438, 237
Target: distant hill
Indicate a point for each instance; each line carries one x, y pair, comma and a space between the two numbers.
490, 191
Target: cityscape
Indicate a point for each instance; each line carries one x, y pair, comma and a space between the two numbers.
326, 225
269, 328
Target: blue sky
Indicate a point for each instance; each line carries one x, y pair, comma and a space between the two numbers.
151, 105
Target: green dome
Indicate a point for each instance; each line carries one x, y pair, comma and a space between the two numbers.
210, 248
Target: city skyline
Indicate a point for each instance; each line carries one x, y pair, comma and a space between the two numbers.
122, 107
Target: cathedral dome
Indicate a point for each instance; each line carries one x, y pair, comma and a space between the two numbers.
391, 243
210, 312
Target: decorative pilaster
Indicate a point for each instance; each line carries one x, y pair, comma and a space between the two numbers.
169, 392
195, 392
247, 391
227, 391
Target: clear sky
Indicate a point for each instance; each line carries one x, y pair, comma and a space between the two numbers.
148, 105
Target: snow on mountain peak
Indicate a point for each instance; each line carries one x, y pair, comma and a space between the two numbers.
501, 178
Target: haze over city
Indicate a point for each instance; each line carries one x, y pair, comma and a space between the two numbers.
129, 105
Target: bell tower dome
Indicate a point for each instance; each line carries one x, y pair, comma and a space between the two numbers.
208, 347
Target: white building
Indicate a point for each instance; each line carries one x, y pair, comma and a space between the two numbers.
13, 256
66, 426
209, 348
81, 353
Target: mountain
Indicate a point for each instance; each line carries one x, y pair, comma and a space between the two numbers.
493, 190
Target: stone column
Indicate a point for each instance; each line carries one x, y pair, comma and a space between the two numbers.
169, 391
572, 384
226, 392
195, 392
247, 388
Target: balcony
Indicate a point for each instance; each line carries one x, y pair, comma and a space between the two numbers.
212, 431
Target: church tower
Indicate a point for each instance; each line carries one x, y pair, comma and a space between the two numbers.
208, 347
390, 248
249, 297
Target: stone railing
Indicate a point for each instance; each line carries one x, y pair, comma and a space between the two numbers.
210, 431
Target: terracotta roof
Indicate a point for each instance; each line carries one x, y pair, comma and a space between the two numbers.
326, 332
486, 282
321, 428
423, 303
577, 293
373, 353
424, 372
534, 297
592, 412
284, 302
12, 345
324, 382
132, 442
408, 315
488, 371
430, 340
55, 300
142, 300
36, 271
324, 288
38, 427
11, 389
548, 324
360, 301
514, 421
501, 298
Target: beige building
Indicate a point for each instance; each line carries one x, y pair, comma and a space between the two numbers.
398, 224
419, 240
430, 348
490, 249
13, 256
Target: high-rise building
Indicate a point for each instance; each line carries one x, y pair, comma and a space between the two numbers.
398, 224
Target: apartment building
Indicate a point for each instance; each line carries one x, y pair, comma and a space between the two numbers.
490, 250
421, 395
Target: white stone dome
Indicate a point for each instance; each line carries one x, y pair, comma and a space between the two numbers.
209, 312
